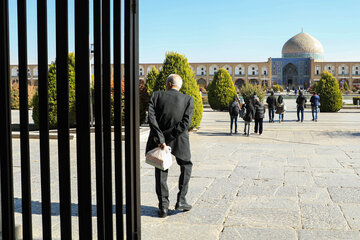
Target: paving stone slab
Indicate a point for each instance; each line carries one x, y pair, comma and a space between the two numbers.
200, 215
270, 191
313, 195
271, 218
230, 233
322, 216
328, 235
298, 179
271, 172
336, 180
345, 195
352, 215
178, 231
267, 202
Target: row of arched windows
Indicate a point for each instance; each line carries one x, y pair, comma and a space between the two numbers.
202, 70
343, 69
15, 72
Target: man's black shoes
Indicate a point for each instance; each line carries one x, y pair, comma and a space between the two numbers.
183, 207
163, 212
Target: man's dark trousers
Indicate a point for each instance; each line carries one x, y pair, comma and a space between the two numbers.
162, 190
271, 114
259, 125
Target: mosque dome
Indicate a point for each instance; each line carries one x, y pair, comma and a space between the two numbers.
303, 45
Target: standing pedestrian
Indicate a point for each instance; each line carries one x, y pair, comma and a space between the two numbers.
315, 99
249, 116
271, 101
280, 108
170, 114
259, 115
300, 101
234, 110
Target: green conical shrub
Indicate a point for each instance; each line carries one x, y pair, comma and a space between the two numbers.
151, 80
52, 95
221, 91
178, 64
329, 92
248, 90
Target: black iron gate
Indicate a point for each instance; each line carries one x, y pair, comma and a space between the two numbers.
103, 136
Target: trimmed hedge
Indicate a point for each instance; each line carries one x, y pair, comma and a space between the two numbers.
277, 88
151, 80
178, 64
248, 90
144, 101
15, 96
52, 95
329, 92
221, 91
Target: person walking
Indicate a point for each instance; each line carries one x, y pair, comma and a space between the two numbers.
259, 116
271, 101
315, 99
280, 108
234, 110
300, 101
249, 116
170, 114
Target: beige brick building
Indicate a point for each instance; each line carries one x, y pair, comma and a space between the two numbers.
300, 66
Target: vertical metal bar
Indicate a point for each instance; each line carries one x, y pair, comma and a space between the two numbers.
99, 144
62, 85
82, 72
117, 121
132, 152
7, 192
99, 139
24, 122
107, 118
44, 117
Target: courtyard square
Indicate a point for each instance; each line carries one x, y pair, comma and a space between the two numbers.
295, 181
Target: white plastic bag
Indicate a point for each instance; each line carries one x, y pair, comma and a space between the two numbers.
158, 158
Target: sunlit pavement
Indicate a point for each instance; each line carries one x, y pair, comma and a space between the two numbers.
295, 181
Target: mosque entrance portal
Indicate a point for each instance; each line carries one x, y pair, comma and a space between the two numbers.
290, 76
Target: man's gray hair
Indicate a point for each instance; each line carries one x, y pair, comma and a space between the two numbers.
175, 79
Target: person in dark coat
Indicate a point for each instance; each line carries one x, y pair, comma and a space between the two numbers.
234, 110
280, 108
271, 101
170, 114
249, 116
300, 101
315, 99
259, 115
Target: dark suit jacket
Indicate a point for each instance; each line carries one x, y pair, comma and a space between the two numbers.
170, 114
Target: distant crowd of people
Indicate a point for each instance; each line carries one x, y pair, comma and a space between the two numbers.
254, 109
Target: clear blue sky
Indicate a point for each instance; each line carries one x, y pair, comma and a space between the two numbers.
228, 30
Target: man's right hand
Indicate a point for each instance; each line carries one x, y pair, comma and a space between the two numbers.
162, 146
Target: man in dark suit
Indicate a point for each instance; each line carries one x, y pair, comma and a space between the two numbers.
170, 114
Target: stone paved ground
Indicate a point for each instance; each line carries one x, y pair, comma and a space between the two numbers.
296, 181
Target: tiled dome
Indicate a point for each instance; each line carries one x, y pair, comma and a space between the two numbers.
303, 45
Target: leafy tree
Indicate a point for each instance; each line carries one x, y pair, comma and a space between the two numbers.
248, 90
144, 101
329, 92
221, 91
151, 80
346, 86
176, 63
52, 95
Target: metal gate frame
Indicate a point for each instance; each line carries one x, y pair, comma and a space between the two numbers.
103, 137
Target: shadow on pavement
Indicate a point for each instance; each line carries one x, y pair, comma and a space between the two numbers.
149, 211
